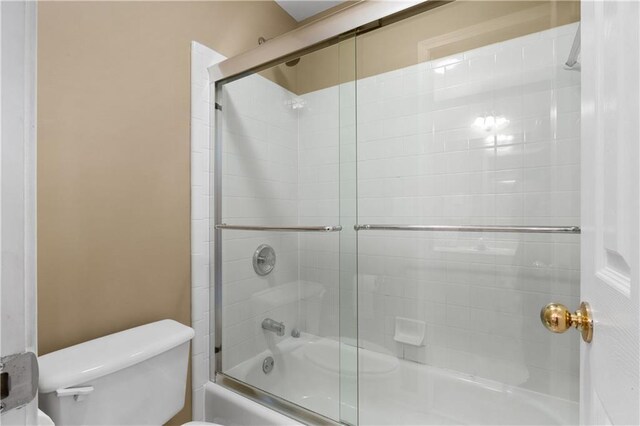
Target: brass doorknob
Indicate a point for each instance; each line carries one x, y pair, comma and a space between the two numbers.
557, 318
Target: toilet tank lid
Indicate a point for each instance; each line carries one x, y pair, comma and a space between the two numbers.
90, 360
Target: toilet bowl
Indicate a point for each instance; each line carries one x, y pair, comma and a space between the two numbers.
134, 377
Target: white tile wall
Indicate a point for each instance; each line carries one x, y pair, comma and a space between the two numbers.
201, 58
318, 193
259, 187
280, 167
422, 160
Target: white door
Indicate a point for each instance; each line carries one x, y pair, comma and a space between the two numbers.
17, 208
610, 366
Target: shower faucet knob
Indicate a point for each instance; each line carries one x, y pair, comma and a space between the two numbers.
272, 325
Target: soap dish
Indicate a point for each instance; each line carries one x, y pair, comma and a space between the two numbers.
409, 331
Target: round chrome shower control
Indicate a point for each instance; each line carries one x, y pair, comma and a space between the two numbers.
264, 259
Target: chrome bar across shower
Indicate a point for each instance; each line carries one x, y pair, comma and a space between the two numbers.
490, 228
322, 228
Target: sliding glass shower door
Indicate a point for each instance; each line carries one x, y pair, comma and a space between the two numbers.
392, 211
286, 290
468, 213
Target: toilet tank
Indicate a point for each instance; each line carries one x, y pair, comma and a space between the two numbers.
134, 377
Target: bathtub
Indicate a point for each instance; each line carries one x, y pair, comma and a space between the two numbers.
393, 391
226, 407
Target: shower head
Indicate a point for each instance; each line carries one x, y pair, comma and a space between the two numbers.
293, 62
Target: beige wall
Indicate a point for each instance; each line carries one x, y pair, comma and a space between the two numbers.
113, 157
457, 27
446, 29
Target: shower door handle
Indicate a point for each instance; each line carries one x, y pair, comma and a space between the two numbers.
557, 318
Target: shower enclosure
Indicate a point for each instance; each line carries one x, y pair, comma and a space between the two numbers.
393, 208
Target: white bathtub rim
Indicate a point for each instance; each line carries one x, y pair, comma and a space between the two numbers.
244, 407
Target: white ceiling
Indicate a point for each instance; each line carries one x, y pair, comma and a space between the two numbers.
302, 9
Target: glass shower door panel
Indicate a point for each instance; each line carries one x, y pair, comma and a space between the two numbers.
467, 122
281, 146
348, 291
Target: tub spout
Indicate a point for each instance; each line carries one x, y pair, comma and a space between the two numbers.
272, 325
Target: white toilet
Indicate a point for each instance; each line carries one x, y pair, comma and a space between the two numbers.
135, 377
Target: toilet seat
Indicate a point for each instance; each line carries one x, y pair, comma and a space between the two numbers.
201, 424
